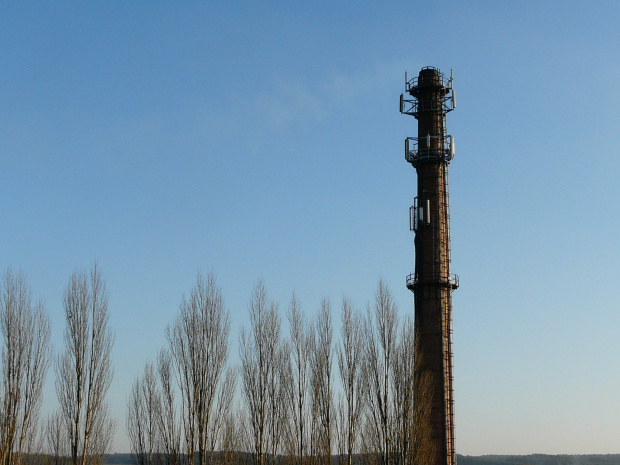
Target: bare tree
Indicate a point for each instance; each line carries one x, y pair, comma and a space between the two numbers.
152, 423
167, 421
199, 346
370, 444
103, 431
300, 352
232, 438
350, 353
55, 438
403, 393
321, 364
25, 357
261, 361
143, 406
381, 332
225, 396
84, 370
136, 427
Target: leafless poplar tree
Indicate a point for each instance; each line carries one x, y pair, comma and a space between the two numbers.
278, 389
381, 332
232, 443
350, 355
369, 442
25, 333
300, 353
57, 447
152, 423
262, 356
321, 364
403, 393
224, 402
199, 346
143, 406
167, 420
84, 371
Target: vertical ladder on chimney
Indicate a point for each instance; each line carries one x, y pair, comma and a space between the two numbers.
447, 320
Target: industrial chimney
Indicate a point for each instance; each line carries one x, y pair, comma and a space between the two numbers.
432, 283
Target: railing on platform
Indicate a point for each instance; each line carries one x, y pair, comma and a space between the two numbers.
414, 279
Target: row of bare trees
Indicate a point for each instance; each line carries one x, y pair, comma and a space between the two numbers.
301, 397
80, 430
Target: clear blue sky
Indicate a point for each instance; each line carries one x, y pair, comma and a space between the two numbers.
263, 139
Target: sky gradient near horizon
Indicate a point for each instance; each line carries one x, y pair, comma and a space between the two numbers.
263, 140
